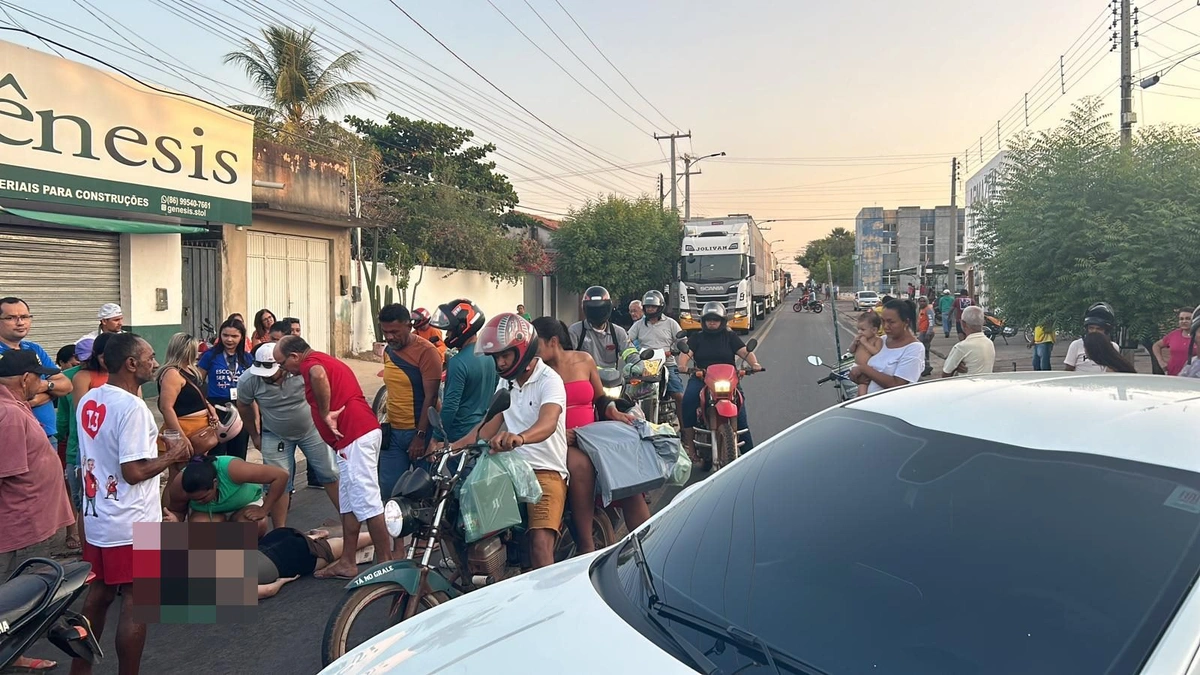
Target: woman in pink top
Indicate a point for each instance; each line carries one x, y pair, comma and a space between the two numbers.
1177, 343
585, 394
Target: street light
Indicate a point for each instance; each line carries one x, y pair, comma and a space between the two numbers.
1157, 77
688, 163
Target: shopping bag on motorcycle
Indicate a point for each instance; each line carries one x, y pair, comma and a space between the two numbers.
666, 442
524, 480
626, 464
488, 499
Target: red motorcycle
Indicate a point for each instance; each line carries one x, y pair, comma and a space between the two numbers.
717, 415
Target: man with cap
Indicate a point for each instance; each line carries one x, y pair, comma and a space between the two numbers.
33, 498
15, 324
287, 424
112, 320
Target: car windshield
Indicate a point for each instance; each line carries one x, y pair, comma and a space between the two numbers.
722, 267
867, 294
858, 543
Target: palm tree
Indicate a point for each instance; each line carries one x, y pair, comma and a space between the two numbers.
288, 73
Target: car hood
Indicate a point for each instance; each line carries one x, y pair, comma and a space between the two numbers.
549, 621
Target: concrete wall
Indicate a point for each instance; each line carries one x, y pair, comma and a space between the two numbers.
437, 286
311, 184
150, 262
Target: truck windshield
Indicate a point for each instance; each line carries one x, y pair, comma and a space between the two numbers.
725, 267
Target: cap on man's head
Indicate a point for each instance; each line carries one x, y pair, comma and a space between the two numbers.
17, 362
110, 310
264, 361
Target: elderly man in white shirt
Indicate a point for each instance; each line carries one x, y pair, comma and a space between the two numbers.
975, 354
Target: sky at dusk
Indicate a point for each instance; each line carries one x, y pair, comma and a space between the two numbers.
822, 108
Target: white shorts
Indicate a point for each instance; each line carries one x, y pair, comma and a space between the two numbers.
358, 490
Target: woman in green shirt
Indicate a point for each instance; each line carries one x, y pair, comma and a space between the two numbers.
224, 489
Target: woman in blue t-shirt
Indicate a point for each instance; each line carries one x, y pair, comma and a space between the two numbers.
222, 367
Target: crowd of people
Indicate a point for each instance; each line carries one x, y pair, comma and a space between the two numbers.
268, 388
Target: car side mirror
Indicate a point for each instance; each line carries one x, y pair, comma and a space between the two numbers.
815, 360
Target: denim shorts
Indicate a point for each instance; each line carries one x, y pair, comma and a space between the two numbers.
74, 485
674, 381
318, 454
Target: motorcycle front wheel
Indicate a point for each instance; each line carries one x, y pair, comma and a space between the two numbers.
728, 443
797, 307
354, 613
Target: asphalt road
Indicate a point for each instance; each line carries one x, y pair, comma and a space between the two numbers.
285, 638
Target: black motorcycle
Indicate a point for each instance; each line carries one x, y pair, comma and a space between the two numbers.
35, 602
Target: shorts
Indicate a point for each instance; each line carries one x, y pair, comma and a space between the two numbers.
75, 485
11, 559
318, 455
674, 381
112, 565
286, 552
548, 511
358, 464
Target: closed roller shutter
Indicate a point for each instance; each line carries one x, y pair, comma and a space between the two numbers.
64, 275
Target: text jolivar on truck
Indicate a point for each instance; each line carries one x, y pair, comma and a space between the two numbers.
727, 260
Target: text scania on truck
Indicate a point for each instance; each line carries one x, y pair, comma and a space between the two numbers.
726, 260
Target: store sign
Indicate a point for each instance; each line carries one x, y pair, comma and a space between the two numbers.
72, 134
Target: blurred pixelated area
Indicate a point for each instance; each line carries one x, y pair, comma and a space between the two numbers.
194, 573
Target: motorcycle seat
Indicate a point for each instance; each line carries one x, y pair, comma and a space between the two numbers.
23, 594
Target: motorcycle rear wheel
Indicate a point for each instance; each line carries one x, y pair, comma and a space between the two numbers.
379, 405
334, 644
797, 307
603, 536
818, 308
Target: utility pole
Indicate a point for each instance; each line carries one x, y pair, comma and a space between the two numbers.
952, 272
662, 195
687, 185
1128, 117
674, 173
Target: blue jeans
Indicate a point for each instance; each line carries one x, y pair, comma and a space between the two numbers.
319, 455
393, 460
946, 323
75, 485
1041, 355
674, 381
691, 401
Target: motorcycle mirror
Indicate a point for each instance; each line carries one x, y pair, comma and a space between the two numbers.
815, 360
681, 334
435, 418
499, 404
647, 354
752, 344
610, 377
682, 347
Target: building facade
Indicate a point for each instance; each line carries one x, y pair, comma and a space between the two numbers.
896, 247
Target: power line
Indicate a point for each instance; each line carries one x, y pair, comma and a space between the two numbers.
670, 124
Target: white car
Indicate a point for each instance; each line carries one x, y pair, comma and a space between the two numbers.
865, 300
1013, 523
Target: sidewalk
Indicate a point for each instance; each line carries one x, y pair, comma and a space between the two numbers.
1013, 356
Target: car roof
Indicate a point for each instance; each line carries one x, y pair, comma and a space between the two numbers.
1143, 418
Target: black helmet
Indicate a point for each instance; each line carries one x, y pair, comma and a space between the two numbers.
1195, 320
712, 310
1100, 314
597, 305
653, 299
461, 320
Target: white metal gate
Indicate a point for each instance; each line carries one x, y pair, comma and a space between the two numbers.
64, 275
290, 276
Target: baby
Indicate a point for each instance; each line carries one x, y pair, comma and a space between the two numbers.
867, 343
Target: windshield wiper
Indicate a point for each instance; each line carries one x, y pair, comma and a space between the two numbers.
729, 633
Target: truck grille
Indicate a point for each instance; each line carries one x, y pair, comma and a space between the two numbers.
697, 302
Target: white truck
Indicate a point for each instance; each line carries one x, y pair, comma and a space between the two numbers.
727, 260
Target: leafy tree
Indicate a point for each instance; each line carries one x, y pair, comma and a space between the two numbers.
416, 151
836, 248
289, 74
627, 246
1078, 220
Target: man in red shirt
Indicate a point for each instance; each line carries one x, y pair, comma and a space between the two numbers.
346, 422
33, 497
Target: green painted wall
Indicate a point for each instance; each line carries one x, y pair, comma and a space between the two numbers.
158, 337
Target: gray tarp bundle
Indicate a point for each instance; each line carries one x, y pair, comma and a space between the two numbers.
629, 459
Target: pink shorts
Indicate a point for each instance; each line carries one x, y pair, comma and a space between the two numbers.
113, 565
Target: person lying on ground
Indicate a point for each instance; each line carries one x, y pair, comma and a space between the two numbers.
285, 555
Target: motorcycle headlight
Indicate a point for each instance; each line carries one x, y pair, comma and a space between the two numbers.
612, 392
686, 316
722, 386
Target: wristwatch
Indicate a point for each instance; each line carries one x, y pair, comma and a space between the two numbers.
420, 433
49, 386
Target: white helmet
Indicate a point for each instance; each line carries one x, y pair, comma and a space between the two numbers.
229, 422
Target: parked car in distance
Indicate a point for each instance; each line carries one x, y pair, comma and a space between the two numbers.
865, 300
882, 535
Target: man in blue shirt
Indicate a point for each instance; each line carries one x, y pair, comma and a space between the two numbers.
15, 322
471, 376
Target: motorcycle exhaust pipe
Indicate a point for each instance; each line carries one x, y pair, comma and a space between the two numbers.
480, 580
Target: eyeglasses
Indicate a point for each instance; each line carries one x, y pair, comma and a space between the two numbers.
17, 317
264, 364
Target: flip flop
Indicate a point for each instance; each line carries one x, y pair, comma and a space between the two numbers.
343, 577
35, 666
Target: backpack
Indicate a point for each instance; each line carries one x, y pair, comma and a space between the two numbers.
585, 334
